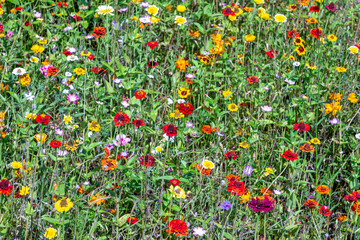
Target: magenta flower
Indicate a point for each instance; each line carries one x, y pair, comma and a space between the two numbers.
72, 98
331, 7
262, 204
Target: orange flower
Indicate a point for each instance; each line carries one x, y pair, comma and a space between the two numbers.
207, 129
252, 79
263, 190
248, 9
322, 189
356, 207
233, 178
307, 148
205, 172
341, 218
310, 203
97, 199
303, 2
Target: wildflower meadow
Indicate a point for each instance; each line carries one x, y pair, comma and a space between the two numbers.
169, 119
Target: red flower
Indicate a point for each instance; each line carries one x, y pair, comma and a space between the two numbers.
350, 198
147, 160
60, 4
77, 18
331, 7
170, 130
315, 9
152, 64
174, 182
19, 8
98, 70
99, 32
52, 71
271, 54
5, 187
186, 108
228, 12
230, 154
66, 52
289, 155
356, 194
324, 210
140, 94
138, 123
91, 57
236, 188
316, 33
152, 44
310, 203
301, 126
177, 226
43, 118
291, 33
121, 119
132, 220
55, 144
27, 23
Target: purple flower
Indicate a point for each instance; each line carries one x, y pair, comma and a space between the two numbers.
121, 140
225, 205
266, 88
44, 69
116, 25
117, 80
58, 131
334, 121
144, 4
248, 170
220, 134
37, 14
62, 153
109, 146
123, 9
125, 104
68, 28
262, 204
72, 98
124, 154
191, 76
89, 37
266, 108
189, 124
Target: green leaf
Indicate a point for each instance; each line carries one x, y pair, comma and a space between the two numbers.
121, 221
51, 220
228, 235
109, 88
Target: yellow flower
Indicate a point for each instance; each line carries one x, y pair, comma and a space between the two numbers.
353, 49
280, 18
226, 93
238, 11
181, 8
180, 20
264, 16
177, 192
291, 57
136, 1
154, 19
42, 41
67, 119
34, 59
332, 108
319, 1
16, 165
208, 164
250, 38
37, 48
85, 53
300, 50
24, 191
94, 126
43, 137
233, 107
244, 144
341, 69
2, 116
1, 11
79, 71
134, 18
138, 37
268, 171
259, 1
63, 205
245, 197
177, 114
30, 116
261, 10
332, 37
311, 66
352, 98
232, 18
25, 80
71, 145
315, 141
182, 64
50, 233
153, 10
97, 199
337, 96
183, 92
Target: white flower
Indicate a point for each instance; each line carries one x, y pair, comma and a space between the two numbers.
357, 136
277, 192
296, 64
145, 19
104, 10
90, 133
72, 49
145, 4
19, 71
121, 140
181, 101
169, 139
170, 101
289, 82
199, 231
158, 149
68, 74
72, 58
150, 76
117, 80
125, 104
266, 108
29, 96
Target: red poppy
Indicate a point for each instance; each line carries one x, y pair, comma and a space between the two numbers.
315, 9
147, 160
178, 227
324, 210
310, 203
121, 119
55, 144
230, 155
66, 52
43, 118
152, 64
186, 108
175, 182
5, 187
99, 32
170, 130
290, 155
271, 54
301, 126
236, 188
331, 7
132, 220
152, 44
140, 94
138, 123
316, 33
228, 12
52, 71
350, 198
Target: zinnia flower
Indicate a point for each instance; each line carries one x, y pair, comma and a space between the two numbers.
147, 160
5, 187
323, 189
178, 227
324, 210
301, 127
121, 119
262, 204
170, 130
72, 98
290, 155
310, 203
